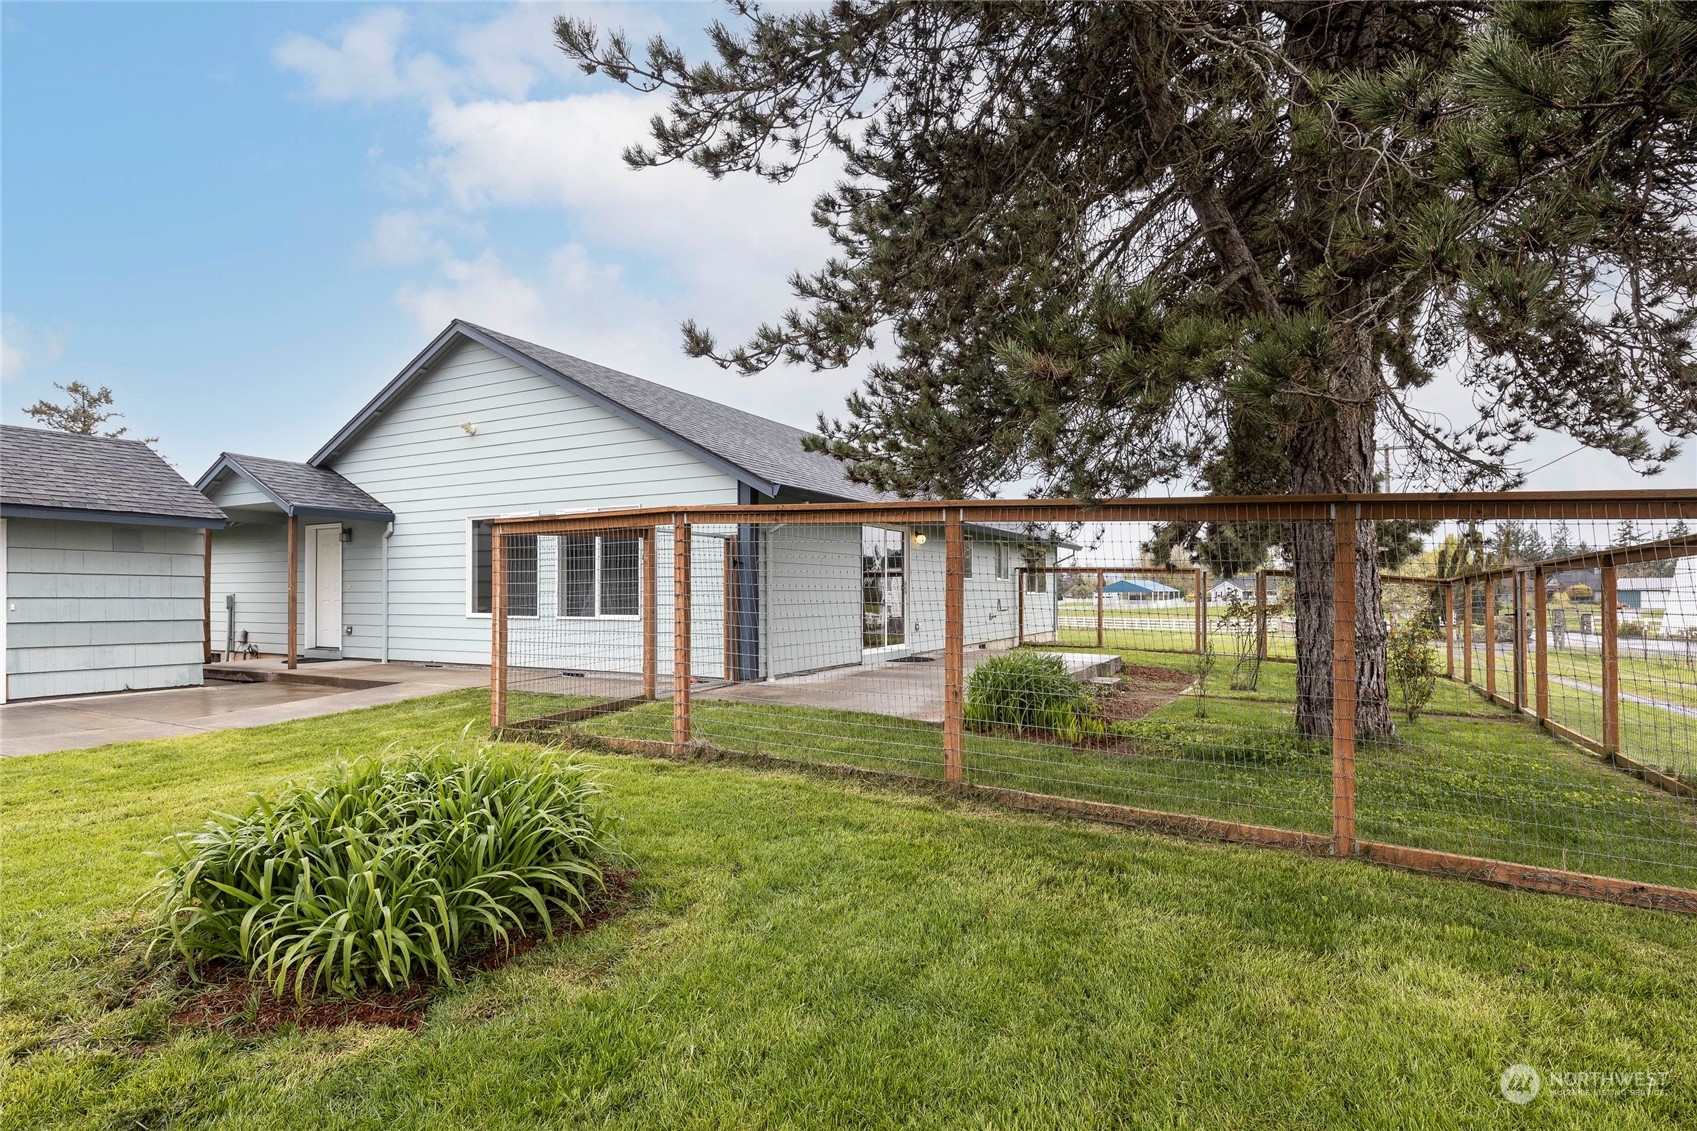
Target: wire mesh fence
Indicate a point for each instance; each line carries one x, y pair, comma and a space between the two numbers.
1502, 686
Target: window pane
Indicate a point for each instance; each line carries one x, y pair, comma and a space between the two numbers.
966, 560
521, 575
480, 536
620, 587
577, 576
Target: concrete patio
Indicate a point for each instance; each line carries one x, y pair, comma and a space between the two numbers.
249, 694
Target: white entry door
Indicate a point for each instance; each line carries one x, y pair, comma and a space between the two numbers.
324, 630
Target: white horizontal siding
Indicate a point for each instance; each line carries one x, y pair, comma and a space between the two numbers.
811, 615
538, 448
250, 561
84, 617
236, 491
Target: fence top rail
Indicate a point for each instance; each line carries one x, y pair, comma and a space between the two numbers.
1671, 503
1660, 550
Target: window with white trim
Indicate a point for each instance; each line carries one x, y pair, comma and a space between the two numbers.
600, 576
966, 558
521, 570
1004, 561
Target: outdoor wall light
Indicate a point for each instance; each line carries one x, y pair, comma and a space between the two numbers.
347, 534
919, 539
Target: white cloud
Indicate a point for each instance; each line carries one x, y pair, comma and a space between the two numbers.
23, 347
365, 64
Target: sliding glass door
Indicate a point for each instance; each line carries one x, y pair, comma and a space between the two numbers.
883, 594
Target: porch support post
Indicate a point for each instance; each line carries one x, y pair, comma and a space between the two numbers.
497, 628
954, 646
1541, 645
1343, 679
206, 595
294, 587
1100, 575
680, 632
650, 612
1611, 659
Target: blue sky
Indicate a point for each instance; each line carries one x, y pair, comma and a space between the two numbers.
245, 218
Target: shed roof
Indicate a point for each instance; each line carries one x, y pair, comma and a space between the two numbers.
64, 475
299, 488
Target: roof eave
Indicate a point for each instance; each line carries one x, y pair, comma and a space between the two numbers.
119, 518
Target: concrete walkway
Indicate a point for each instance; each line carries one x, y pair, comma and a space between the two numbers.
44, 725
904, 690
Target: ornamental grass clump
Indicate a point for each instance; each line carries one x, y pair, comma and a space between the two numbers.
386, 870
1032, 691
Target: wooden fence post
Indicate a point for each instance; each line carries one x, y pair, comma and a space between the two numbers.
650, 612
954, 646
731, 645
1611, 660
1019, 590
1261, 614
680, 632
1343, 678
1449, 631
1540, 646
1201, 613
294, 588
497, 629
1491, 637
1467, 633
1099, 599
1519, 640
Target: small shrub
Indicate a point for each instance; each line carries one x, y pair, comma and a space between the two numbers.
1413, 665
1579, 593
1634, 628
1203, 663
387, 869
1031, 691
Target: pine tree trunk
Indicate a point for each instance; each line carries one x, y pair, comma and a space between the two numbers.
1332, 453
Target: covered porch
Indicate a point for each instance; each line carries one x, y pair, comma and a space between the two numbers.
302, 570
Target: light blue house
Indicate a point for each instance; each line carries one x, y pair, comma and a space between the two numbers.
392, 540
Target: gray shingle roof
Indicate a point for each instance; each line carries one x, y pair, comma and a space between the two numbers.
95, 474
302, 487
768, 450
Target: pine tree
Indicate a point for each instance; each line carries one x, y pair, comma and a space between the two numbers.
1116, 245
86, 411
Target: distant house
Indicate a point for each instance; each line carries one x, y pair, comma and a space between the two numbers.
392, 530
1244, 587
104, 550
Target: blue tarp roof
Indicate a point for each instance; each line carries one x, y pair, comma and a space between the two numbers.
1146, 588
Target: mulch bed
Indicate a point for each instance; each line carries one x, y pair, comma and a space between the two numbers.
226, 998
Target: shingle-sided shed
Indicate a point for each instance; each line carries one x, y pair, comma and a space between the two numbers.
104, 552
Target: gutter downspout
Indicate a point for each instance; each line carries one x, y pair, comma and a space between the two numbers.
388, 532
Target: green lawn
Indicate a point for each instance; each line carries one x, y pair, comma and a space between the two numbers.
1468, 778
817, 952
